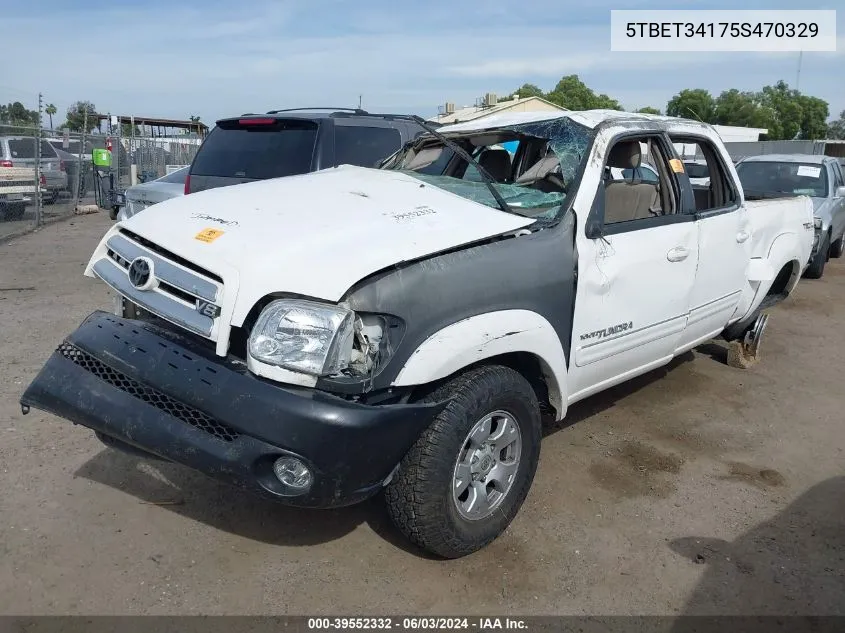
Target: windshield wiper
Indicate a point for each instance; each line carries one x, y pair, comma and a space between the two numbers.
460, 151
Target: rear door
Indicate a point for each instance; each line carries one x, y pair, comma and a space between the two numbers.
249, 149
724, 246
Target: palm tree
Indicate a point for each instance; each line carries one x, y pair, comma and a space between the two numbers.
50, 110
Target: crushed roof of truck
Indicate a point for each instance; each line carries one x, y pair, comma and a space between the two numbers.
587, 118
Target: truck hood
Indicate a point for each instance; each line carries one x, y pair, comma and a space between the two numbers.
317, 234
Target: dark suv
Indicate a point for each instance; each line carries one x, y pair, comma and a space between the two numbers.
289, 142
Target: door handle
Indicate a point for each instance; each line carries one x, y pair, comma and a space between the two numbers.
677, 254
742, 236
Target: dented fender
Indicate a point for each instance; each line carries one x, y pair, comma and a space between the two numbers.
485, 336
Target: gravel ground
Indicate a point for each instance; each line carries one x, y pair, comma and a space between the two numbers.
696, 489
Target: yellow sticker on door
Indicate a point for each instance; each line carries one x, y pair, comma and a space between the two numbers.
676, 165
208, 235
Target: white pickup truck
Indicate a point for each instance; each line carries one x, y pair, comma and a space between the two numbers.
321, 338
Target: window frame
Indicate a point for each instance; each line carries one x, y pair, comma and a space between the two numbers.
595, 227
838, 174
701, 140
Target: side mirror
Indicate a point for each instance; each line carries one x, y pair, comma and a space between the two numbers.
839, 193
595, 220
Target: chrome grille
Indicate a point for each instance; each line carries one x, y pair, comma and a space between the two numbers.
178, 288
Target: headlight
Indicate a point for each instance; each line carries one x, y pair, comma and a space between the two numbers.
817, 223
304, 336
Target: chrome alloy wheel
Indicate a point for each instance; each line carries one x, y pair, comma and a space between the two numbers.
486, 466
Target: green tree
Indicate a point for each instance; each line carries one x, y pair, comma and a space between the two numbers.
695, 104
836, 128
529, 90
649, 110
50, 110
733, 107
126, 130
572, 93
785, 110
814, 113
76, 116
17, 114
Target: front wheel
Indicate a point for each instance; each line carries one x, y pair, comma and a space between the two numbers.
837, 249
816, 268
466, 477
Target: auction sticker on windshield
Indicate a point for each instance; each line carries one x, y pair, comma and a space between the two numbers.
208, 235
809, 172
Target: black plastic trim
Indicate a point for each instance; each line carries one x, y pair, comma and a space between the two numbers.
352, 448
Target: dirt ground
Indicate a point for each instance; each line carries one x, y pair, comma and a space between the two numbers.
698, 489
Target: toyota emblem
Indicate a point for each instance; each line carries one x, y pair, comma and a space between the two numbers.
141, 273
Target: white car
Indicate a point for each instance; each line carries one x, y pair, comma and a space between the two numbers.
139, 197
320, 338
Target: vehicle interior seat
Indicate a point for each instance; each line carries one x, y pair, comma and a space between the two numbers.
629, 199
497, 163
544, 175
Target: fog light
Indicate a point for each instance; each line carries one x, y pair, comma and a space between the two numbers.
293, 473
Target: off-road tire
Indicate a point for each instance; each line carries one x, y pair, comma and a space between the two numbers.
739, 357
816, 268
419, 499
837, 249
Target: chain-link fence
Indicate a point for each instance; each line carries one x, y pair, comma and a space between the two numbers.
44, 175
48, 174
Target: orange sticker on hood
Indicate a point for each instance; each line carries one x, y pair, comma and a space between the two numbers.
208, 235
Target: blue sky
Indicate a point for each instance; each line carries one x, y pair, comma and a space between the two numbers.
180, 57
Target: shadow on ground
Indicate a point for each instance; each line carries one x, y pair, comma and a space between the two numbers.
608, 398
178, 489
793, 564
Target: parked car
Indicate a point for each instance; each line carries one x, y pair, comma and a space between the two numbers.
17, 186
139, 197
19, 151
290, 142
814, 175
321, 338
697, 171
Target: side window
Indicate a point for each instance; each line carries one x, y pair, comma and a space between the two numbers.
838, 176
711, 186
364, 146
638, 181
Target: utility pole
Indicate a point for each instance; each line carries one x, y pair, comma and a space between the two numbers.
38, 201
360, 97
80, 177
798, 74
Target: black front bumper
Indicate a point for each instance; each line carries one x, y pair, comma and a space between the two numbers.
159, 392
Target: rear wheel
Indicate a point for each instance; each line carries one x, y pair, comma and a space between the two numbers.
466, 477
816, 268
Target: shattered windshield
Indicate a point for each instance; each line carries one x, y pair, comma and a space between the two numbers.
534, 165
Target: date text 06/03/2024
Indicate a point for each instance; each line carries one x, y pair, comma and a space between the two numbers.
417, 624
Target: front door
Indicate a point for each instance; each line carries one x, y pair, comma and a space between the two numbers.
635, 278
